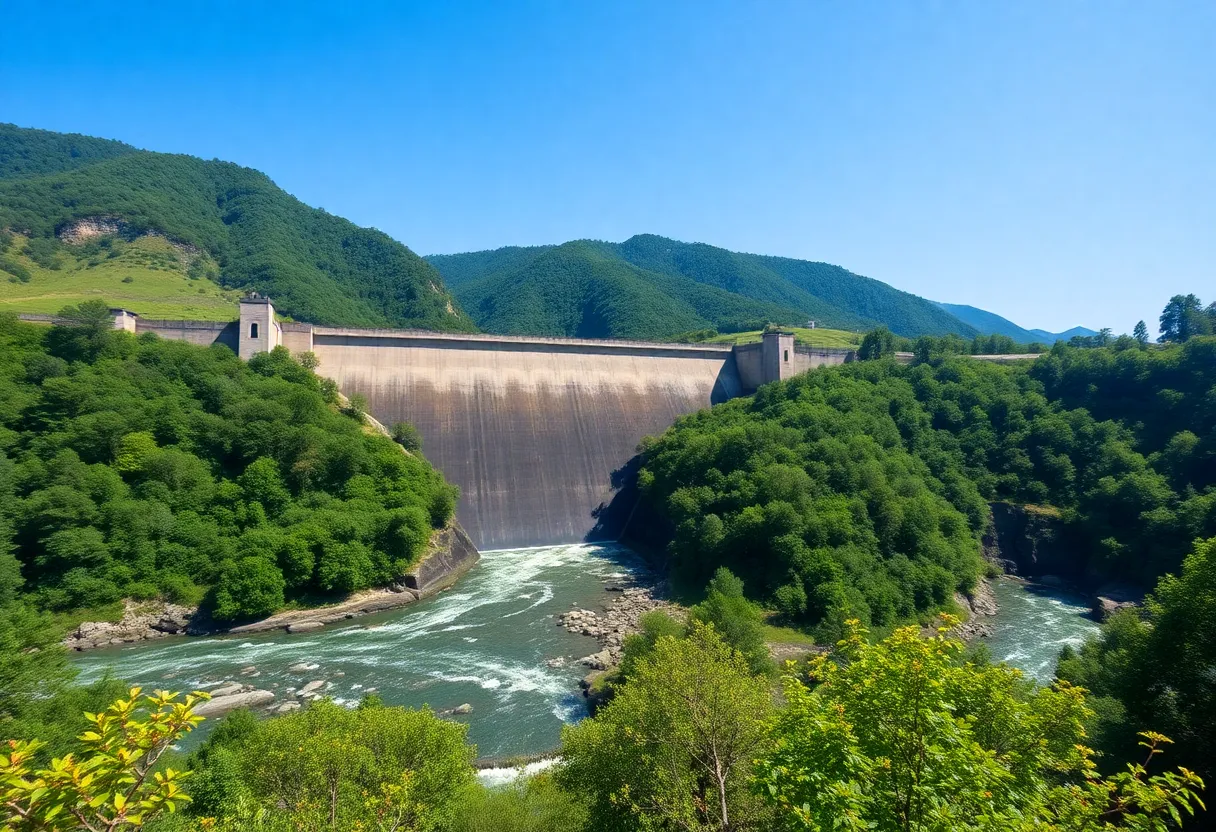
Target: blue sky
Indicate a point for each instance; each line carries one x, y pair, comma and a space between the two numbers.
1053, 162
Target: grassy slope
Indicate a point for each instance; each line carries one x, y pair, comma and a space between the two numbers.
316, 266
158, 287
810, 337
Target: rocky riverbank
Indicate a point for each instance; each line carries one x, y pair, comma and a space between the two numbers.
450, 554
981, 606
619, 618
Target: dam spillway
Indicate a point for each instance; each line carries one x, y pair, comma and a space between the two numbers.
536, 432
540, 434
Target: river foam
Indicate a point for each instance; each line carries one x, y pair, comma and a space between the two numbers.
484, 643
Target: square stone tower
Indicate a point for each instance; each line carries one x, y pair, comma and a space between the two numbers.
259, 331
777, 356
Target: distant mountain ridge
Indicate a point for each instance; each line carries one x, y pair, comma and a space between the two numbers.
317, 266
654, 287
989, 323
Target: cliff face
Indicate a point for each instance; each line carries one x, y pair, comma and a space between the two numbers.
451, 554
1031, 542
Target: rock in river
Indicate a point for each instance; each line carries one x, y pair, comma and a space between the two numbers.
304, 626
223, 704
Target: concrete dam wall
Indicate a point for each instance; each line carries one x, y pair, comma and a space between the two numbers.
537, 433
541, 434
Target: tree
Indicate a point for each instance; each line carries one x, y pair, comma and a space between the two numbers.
1140, 333
329, 767
86, 331
738, 621
1157, 668
251, 587
903, 735
877, 343
1183, 318
112, 784
407, 436
673, 749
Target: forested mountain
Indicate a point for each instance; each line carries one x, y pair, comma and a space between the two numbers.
989, 323
580, 289
703, 286
316, 266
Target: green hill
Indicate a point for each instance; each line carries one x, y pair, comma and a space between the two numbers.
670, 287
240, 228
989, 323
580, 289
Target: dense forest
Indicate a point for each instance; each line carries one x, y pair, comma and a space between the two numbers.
140, 468
544, 290
318, 267
860, 491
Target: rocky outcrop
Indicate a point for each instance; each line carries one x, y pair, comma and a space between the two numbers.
1112, 598
1029, 541
140, 621
619, 619
981, 606
88, 228
450, 555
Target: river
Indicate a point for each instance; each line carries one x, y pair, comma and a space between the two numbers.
488, 643
1034, 623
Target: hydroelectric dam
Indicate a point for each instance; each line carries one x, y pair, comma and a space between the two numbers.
541, 434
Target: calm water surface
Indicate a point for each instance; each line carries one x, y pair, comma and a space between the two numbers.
484, 642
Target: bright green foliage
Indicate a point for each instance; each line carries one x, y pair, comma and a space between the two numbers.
652, 287
113, 782
132, 467
532, 804
859, 491
1184, 317
878, 343
316, 266
738, 621
673, 749
1156, 672
652, 626
902, 735
328, 767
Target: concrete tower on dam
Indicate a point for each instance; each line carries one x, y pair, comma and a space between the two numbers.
541, 434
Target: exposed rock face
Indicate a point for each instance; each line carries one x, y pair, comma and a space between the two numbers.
140, 621
450, 555
1029, 542
1112, 598
83, 230
618, 620
305, 626
982, 605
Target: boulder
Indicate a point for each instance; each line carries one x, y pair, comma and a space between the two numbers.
287, 707
597, 661
301, 667
226, 690
220, 705
466, 708
311, 687
304, 626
